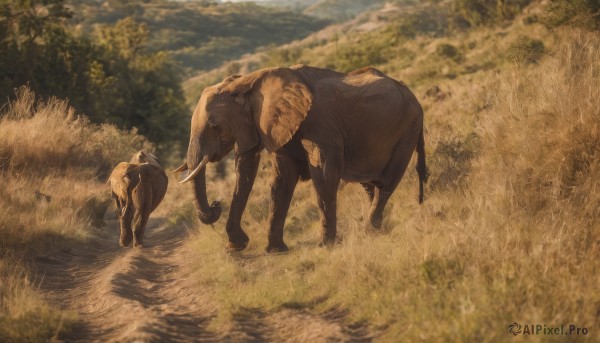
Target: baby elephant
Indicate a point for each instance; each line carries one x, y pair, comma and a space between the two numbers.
137, 187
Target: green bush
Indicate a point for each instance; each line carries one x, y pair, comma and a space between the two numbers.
355, 57
584, 13
485, 12
526, 50
283, 57
449, 51
425, 20
452, 159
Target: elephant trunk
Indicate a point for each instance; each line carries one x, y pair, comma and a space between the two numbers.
207, 214
199, 152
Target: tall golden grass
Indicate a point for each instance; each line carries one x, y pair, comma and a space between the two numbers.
53, 165
510, 232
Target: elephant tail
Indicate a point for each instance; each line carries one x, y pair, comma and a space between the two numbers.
421, 166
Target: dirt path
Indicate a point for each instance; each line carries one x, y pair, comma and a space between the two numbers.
142, 295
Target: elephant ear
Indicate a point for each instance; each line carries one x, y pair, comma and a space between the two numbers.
279, 101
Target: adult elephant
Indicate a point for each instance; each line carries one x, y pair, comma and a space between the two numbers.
317, 124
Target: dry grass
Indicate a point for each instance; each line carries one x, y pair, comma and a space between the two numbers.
510, 231
24, 315
53, 165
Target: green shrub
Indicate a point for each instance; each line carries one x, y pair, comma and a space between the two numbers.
427, 20
531, 19
283, 57
451, 160
355, 57
485, 12
449, 51
584, 13
526, 50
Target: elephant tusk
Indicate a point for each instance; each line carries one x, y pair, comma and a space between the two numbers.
196, 171
182, 167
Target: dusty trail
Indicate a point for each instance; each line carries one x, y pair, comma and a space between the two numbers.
142, 295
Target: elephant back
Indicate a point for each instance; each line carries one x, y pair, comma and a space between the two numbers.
158, 180
123, 178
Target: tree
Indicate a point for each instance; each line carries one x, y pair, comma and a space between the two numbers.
145, 87
25, 26
111, 79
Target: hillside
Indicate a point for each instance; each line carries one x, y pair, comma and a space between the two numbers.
332, 36
421, 44
201, 35
295, 5
340, 10
335, 10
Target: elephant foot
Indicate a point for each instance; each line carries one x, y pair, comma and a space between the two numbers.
328, 241
377, 228
238, 240
124, 243
231, 246
376, 223
125, 237
277, 247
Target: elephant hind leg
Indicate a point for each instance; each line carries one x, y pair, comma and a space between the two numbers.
392, 177
370, 189
142, 198
139, 227
125, 218
326, 179
286, 173
379, 201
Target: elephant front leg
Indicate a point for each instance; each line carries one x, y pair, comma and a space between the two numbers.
285, 178
125, 218
246, 166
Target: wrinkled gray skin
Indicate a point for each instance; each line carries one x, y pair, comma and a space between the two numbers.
316, 124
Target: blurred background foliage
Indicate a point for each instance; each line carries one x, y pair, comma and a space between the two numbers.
110, 77
200, 34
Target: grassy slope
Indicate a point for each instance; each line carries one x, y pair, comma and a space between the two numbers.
308, 50
202, 37
45, 148
340, 10
509, 230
